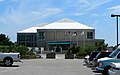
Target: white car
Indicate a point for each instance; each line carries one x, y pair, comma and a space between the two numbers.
9, 58
115, 69
86, 59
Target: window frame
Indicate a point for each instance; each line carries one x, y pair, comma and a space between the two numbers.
90, 35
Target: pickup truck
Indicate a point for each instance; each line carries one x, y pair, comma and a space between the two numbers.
104, 63
9, 58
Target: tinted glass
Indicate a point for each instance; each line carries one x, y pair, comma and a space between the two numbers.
114, 53
93, 55
103, 54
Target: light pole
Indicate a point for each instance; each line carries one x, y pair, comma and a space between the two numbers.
117, 16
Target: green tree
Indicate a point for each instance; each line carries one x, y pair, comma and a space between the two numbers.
101, 46
89, 49
5, 40
81, 52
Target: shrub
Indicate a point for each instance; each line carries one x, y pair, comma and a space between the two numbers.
81, 52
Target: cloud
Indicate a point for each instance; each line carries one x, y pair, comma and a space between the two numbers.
78, 14
48, 11
44, 13
97, 3
22, 15
21, 18
84, 6
114, 9
11, 16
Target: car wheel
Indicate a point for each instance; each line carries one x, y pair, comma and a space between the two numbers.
105, 71
8, 62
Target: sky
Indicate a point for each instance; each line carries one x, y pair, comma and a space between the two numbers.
17, 15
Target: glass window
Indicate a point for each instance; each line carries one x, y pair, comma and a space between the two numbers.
89, 35
35, 38
29, 37
118, 56
114, 53
22, 43
41, 35
21, 37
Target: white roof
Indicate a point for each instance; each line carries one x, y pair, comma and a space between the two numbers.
29, 30
32, 29
61, 24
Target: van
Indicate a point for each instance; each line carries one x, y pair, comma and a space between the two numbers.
103, 64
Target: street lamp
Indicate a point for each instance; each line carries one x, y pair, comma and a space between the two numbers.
113, 15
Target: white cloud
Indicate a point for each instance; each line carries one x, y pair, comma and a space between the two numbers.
97, 3
82, 3
84, 6
11, 16
24, 15
94, 14
21, 18
114, 9
78, 14
45, 13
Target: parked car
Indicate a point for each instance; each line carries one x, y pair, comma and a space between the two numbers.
115, 69
101, 55
92, 56
9, 58
86, 59
104, 63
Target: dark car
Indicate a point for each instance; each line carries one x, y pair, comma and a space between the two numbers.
101, 55
92, 56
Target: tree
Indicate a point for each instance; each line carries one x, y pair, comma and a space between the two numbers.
81, 52
5, 40
89, 49
101, 46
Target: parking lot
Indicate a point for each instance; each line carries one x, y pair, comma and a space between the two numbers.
58, 66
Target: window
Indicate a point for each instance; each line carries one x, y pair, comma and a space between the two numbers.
41, 35
35, 38
89, 35
114, 53
21, 43
29, 37
118, 56
21, 37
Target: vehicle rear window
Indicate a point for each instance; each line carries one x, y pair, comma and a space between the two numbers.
103, 54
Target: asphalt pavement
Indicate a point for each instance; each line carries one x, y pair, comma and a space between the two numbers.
58, 66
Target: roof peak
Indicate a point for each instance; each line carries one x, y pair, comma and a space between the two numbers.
66, 20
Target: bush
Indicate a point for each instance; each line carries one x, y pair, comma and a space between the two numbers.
89, 49
51, 55
81, 52
69, 56
24, 52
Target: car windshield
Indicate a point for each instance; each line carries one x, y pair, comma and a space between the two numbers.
114, 53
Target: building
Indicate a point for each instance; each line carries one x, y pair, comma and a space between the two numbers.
58, 36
